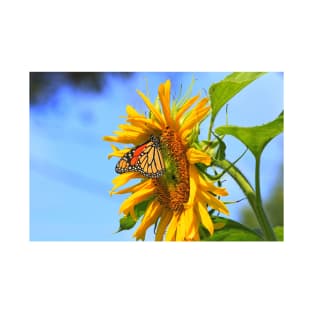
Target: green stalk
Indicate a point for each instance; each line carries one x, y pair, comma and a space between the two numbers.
211, 127
253, 197
262, 218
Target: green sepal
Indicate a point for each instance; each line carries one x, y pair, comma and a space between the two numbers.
126, 222
220, 152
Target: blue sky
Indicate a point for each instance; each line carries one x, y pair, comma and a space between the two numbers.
70, 175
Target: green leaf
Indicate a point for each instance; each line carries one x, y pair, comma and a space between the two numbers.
224, 90
127, 222
232, 231
279, 232
257, 137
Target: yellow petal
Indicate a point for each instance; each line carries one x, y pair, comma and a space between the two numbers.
193, 184
111, 138
214, 203
164, 94
124, 138
117, 152
208, 185
151, 215
142, 185
185, 107
192, 223
181, 227
141, 121
131, 112
172, 228
196, 237
205, 218
131, 134
127, 206
130, 128
147, 125
123, 179
196, 116
197, 156
164, 221
154, 111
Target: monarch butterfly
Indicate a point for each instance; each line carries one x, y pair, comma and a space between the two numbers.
145, 159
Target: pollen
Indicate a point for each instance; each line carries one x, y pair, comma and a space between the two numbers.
173, 189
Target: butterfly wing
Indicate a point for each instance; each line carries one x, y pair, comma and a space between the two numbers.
146, 159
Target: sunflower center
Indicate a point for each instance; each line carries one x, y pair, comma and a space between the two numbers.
173, 187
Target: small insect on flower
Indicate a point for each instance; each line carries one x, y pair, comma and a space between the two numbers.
146, 159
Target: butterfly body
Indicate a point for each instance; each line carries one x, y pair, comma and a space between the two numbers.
146, 159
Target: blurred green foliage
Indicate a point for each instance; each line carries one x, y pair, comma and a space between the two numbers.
43, 84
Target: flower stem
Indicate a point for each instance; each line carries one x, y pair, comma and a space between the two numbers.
211, 127
262, 218
253, 197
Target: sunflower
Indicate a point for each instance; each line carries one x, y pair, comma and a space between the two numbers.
178, 200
